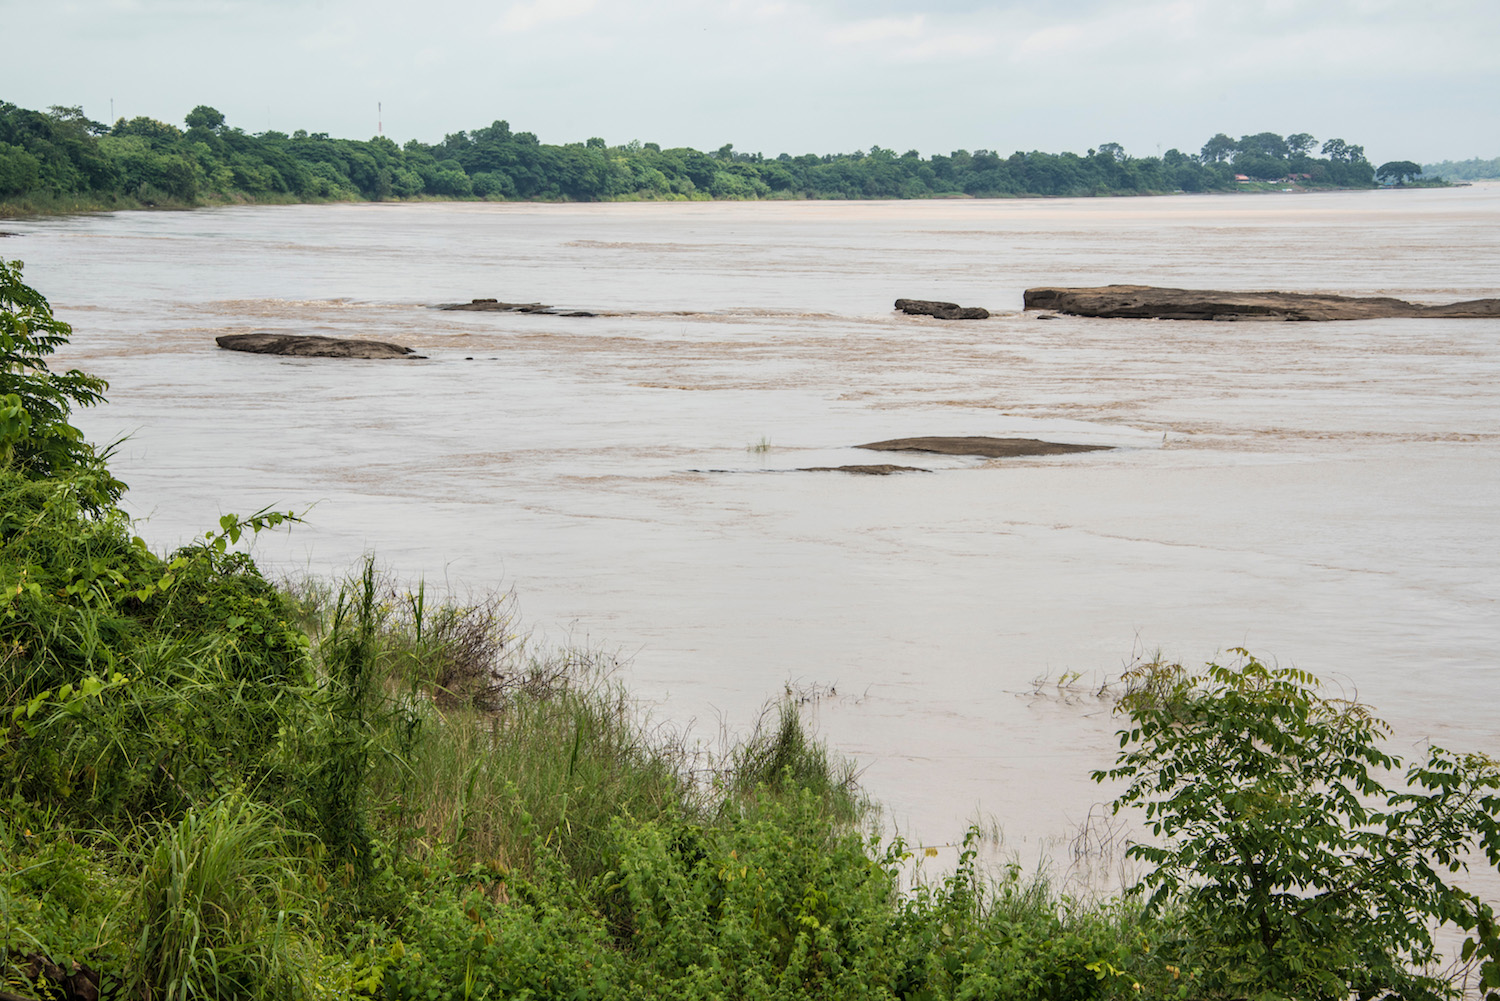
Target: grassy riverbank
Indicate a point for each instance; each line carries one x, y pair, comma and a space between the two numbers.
223, 789
212, 786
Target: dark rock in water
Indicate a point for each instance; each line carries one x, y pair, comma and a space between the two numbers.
1046, 316
496, 306
1147, 302
312, 346
941, 310
989, 448
878, 469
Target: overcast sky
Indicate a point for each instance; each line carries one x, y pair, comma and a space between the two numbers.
1409, 80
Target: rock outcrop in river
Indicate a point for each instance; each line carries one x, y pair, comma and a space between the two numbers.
875, 469
989, 448
496, 306
1148, 302
312, 346
942, 310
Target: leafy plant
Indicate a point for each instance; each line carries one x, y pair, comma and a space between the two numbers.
779, 904
35, 402
1300, 872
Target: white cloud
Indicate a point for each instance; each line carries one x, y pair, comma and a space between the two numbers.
876, 30
522, 17
907, 39
795, 75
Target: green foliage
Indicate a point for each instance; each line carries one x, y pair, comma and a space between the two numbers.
219, 908
1474, 169
1300, 873
783, 758
35, 436
46, 157
206, 118
1006, 937
773, 905
57, 898
487, 932
147, 685
1398, 171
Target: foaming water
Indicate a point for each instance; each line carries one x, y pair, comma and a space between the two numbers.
1324, 494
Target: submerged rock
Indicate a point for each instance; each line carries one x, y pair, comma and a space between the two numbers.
1149, 302
496, 306
312, 346
942, 310
877, 469
989, 448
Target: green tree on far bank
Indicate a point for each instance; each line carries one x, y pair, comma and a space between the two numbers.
1398, 171
1464, 170
59, 160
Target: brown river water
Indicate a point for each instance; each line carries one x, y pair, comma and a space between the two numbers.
1327, 495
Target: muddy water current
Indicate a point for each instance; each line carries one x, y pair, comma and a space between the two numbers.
1327, 495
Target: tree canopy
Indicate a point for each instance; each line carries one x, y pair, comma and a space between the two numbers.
1398, 171
61, 154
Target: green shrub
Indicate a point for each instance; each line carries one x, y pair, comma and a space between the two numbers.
487, 932
778, 904
35, 436
58, 898
1298, 871
1007, 937
149, 685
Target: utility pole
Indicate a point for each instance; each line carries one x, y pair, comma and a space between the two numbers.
379, 118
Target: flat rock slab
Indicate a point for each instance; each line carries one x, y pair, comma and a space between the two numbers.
312, 346
496, 306
878, 469
1149, 302
942, 310
989, 448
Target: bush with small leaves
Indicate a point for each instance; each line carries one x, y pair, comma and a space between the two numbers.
1299, 872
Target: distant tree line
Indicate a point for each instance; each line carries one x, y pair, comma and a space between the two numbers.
1465, 170
60, 154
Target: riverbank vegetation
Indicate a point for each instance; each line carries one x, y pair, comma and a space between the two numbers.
212, 786
61, 161
1474, 169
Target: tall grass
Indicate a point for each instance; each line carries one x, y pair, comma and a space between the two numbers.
780, 756
219, 908
480, 746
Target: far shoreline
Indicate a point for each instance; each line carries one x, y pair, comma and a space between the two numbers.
51, 208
